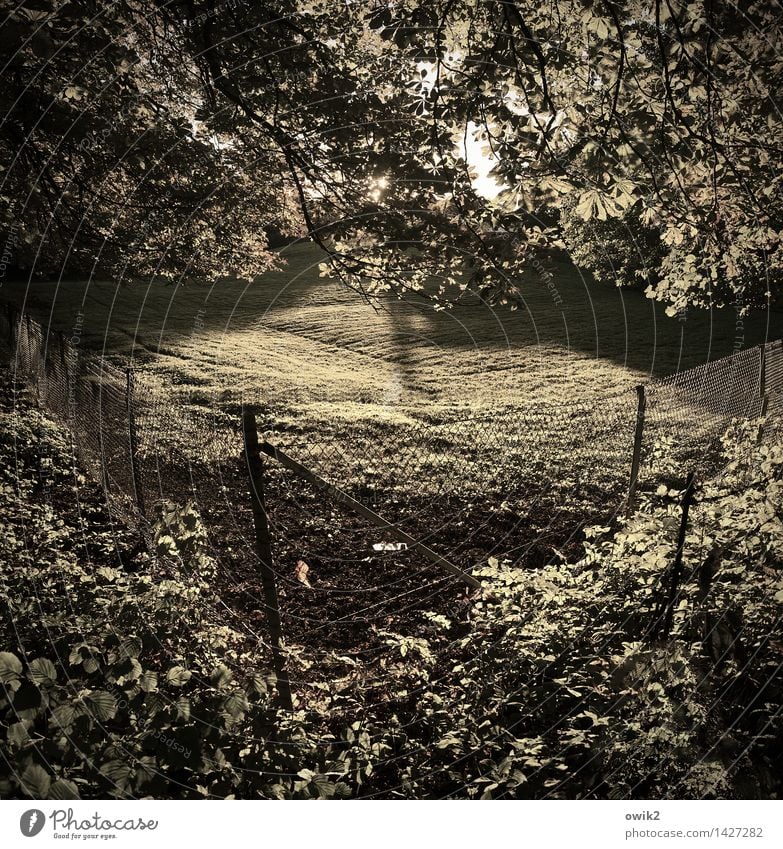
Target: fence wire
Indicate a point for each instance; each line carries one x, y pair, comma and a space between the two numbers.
516, 482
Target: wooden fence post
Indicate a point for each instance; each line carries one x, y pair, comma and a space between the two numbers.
255, 469
133, 441
637, 446
676, 572
762, 415
763, 396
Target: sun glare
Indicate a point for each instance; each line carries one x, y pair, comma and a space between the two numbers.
377, 186
480, 159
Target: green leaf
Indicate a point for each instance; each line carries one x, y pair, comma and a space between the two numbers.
64, 716
116, 772
148, 681
257, 684
103, 705
183, 708
236, 705
154, 704
90, 665
178, 676
80, 652
17, 734
220, 676
43, 671
63, 790
10, 667
36, 781
585, 209
130, 647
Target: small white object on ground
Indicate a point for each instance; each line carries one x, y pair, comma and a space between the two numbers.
390, 546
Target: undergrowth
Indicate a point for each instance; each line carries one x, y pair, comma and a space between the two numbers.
122, 676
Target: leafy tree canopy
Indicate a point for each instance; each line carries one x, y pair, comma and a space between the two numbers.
173, 136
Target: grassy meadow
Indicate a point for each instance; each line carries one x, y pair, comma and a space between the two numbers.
311, 348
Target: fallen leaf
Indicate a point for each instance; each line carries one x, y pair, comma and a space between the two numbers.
300, 572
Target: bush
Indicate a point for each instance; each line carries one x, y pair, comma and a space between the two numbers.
561, 689
122, 678
620, 251
125, 683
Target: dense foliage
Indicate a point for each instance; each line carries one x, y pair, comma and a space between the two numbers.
122, 675
104, 170
170, 136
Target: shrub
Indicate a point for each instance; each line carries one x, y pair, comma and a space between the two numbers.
128, 682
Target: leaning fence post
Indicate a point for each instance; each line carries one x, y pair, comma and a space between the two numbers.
762, 415
255, 469
676, 573
637, 446
133, 441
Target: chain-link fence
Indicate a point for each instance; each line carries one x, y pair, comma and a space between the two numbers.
518, 482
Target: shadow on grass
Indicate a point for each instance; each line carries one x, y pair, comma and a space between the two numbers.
571, 310
568, 310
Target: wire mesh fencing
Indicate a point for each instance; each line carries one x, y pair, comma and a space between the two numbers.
519, 483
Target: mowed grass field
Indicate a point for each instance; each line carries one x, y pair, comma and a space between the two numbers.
312, 349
